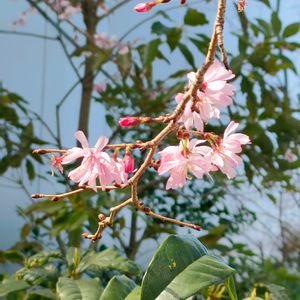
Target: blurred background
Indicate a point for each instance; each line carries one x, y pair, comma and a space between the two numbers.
50, 71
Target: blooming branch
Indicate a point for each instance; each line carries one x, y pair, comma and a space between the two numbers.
206, 93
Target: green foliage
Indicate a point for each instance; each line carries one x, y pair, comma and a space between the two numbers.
181, 276
69, 289
17, 138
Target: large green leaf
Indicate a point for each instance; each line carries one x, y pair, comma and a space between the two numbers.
68, 289
170, 259
118, 288
205, 271
107, 259
11, 285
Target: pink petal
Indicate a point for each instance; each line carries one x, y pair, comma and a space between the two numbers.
101, 143
232, 126
80, 136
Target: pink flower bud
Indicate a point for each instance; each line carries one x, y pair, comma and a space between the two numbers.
128, 162
144, 7
129, 121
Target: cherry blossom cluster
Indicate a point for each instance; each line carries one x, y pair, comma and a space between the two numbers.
199, 153
65, 9
95, 163
190, 156
21, 21
104, 41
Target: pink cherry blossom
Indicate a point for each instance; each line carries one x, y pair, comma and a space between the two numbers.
214, 94
289, 155
95, 163
214, 86
196, 119
178, 160
99, 87
224, 153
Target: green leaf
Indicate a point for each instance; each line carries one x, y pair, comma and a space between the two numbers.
118, 288
205, 271
11, 285
124, 64
42, 294
159, 28
37, 276
187, 54
46, 206
230, 285
149, 52
291, 29
42, 258
30, 169
68, 289
276, 23
12, 256
194, 18
277, 292
134, 294
173, 37
213, 236
170, 262
107, 259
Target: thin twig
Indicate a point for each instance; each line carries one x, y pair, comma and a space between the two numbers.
29, 34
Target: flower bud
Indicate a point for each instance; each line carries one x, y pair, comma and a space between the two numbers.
128, 162
144, 7
129, 121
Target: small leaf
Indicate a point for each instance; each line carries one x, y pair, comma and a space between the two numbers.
37, 276
12, 256
149, 52
107, 259
42, 258
25, 230
187, 54
30, 169
194, 18
276, 23
68, 289
42, 294
118, 288
173, 37
11, 285
159, 28
230, 285
291, 29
